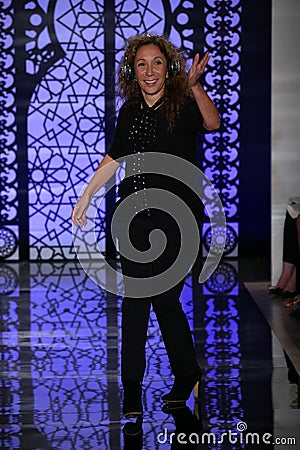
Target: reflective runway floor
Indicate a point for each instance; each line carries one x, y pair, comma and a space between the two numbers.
60, 367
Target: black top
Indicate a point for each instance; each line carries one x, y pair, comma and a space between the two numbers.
141, 128
180, 141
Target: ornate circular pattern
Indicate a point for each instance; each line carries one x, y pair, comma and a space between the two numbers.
231, 239
8, 243
223, 279
8, 280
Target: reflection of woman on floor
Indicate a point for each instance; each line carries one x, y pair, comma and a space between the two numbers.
163, 111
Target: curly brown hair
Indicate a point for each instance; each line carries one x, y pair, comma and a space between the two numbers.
176, 86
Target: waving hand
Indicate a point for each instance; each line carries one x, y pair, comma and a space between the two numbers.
197, 69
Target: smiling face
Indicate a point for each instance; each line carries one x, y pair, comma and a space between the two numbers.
150, 67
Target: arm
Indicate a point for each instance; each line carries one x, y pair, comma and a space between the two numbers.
105, 171
211, 118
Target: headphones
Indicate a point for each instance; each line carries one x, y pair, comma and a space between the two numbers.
127, 70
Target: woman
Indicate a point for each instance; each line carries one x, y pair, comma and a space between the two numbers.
164, 109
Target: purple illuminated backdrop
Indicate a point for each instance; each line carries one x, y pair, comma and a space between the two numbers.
69, 68
67, 113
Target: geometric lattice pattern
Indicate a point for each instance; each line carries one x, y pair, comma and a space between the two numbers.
70, 55
222, 349
66, 120
9, 230
69, 342
66, 135
64, 343
222, 32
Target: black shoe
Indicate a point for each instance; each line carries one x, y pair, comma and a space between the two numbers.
133, 435
132, 401
275, 291
183, 387
288, 294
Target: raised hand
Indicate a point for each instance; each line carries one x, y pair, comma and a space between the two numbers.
197, 69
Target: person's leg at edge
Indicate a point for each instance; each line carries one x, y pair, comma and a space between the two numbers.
287, 279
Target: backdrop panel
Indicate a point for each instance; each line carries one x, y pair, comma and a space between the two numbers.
59, 109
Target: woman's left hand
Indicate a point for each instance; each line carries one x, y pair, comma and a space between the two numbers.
197, 69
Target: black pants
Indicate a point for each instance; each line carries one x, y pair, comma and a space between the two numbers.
290, 240
291, 253
167, 307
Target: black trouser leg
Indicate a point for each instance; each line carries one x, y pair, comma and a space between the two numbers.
176, 332
135, 316
135, 311
172, 320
